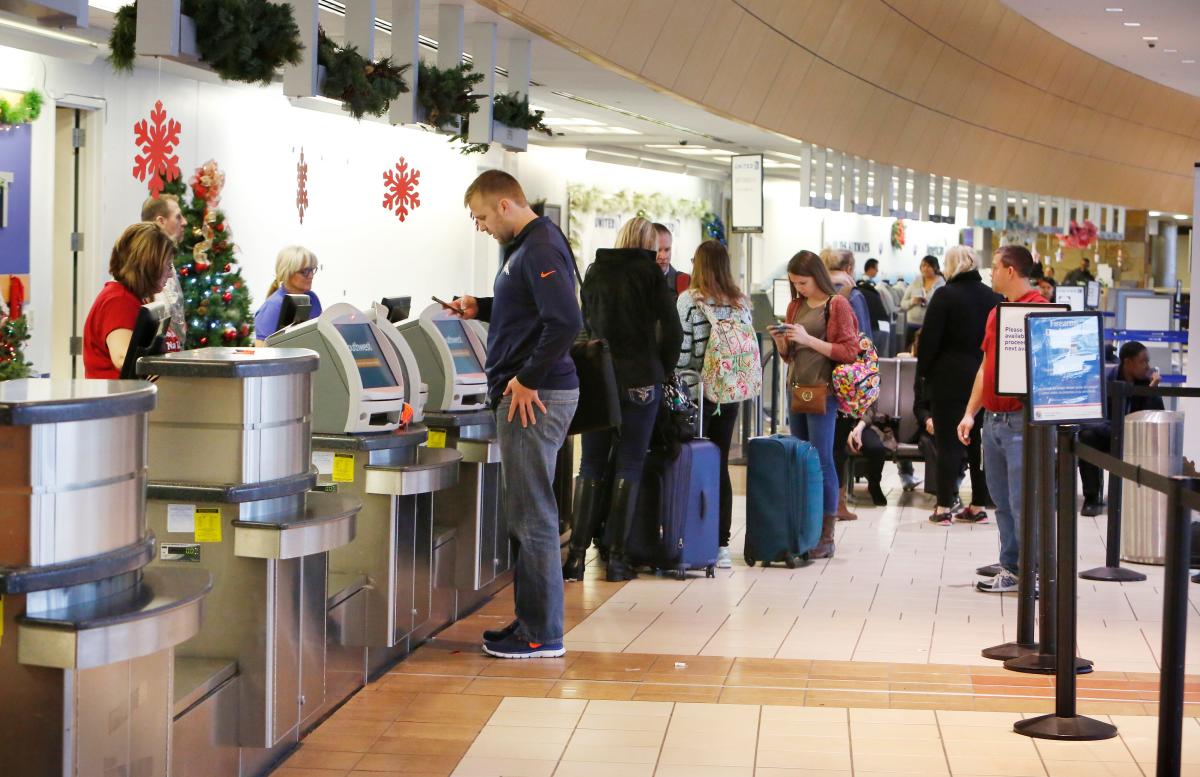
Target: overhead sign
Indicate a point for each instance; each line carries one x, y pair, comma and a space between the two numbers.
1011, 368
1066, 367
747, 193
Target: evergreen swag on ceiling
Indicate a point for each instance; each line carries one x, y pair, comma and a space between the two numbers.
364, 87
28, 108
241, 40
444, 96
582, 200
511, 110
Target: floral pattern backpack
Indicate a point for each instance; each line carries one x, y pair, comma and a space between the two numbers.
856, 384
732, 370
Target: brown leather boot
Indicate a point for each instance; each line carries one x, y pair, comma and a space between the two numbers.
825, 547
843, 512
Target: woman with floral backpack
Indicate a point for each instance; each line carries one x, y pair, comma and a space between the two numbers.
719, 343
821, 332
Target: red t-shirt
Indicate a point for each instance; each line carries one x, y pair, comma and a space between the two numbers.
990, 401
115, 307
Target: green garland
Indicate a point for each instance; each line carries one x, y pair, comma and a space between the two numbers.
445, 96
582, 200
511, 110
242, 40
362, 86
28, 108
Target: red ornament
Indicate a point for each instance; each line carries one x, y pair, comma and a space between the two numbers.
227, 297
183, 272
203, 341
237, 284
156, 141
228, 267
245, 330
400, 189
229, 334
301, 186
219, 226
202, 266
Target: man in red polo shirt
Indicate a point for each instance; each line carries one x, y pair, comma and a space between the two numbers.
1003, 421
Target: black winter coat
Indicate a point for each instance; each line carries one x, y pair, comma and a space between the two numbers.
625, 300
948, 355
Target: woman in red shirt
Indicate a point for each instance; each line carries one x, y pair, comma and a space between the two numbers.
140, 264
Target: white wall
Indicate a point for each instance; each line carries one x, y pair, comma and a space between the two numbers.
255, 135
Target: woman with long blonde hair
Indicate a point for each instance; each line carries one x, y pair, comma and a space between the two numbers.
295, 267
624, 300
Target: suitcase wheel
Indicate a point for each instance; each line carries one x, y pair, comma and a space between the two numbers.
750, 559
803, 560
710, 571
681, 573
789, 561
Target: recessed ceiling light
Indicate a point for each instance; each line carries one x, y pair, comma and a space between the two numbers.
1182, 216
1170, 51
1115, 10
1149, 37
1132, 24
1189, 62
1155, 214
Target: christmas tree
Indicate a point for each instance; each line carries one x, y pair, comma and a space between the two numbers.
13, 334
216, 299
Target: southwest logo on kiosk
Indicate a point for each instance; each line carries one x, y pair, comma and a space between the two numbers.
548, 274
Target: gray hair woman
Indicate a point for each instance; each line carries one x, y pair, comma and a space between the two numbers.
295, 267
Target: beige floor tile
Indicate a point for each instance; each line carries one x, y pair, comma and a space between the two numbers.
615, 738
915, 764
924, 747
803, 716
803, 744
998, 765
504, 767
787, 730
789, 759
610, 754
875, 731
582, 769
903, 717
700, 770
623, 722
655, 709
707, 753
772, 772
1093, 769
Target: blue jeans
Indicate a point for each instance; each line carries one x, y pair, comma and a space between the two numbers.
639, 409
1003, 450
527, 458
818, 429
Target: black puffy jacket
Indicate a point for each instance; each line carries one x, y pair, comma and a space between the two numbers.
625, 300
949, 355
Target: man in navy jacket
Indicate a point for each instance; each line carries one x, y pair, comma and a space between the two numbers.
533, 319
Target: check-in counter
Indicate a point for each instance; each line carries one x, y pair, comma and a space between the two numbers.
86, 631
230, 493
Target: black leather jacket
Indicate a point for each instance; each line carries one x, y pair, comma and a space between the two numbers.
626, 301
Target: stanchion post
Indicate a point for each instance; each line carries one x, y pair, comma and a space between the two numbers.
1064, 723
1112, 571
1174, 629
1045, 659
1025, 643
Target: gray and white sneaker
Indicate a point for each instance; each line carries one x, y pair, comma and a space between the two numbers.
1002, 583
724, 561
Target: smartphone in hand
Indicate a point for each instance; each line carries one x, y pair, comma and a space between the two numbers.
455, 309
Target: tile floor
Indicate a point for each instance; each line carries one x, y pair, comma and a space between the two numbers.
864, 665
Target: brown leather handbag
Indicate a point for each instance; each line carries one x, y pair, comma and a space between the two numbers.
810, 398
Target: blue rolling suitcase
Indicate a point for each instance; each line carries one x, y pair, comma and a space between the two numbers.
676, 524
784, 500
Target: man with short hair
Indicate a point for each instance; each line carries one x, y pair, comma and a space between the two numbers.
1134, 367
1080, 275
164, 211
677, 281
876, 307
534, 317
1003, 423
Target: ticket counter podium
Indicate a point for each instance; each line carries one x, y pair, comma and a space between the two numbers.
229, 493
400, 482
451, 354
87, 630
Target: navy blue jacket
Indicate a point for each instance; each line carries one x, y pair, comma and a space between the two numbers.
533, 316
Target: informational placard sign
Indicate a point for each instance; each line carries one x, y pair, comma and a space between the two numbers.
1074, 296
1010, 345
1093, 295
1065, 358
747, 193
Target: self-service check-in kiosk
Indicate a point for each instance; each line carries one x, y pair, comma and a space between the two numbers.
230, 494
398, 479
451, 354
87, 631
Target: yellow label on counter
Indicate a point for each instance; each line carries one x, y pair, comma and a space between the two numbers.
437, 439
208, 524
343, 468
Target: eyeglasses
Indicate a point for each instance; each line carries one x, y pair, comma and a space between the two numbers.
309, 272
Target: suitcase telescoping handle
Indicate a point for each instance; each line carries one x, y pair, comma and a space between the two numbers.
695, 386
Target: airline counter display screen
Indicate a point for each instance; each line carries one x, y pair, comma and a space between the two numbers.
465, 361
373, 370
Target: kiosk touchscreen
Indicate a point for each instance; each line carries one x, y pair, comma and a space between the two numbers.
451, 354
359, 386
417, 392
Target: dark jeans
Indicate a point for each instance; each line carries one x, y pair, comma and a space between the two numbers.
1099, 438
929, 453
719, 427
639, 409
951, 452
527, 456
875, 454
818, 429
841, 431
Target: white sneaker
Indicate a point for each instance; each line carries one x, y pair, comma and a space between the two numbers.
1002, 583
724, 561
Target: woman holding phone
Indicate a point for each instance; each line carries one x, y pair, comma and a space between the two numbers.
821, 331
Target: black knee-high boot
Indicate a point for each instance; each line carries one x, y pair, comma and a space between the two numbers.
583, 518
620, 517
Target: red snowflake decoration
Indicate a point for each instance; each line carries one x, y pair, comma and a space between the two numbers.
301, 186
400, 189
156, 141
